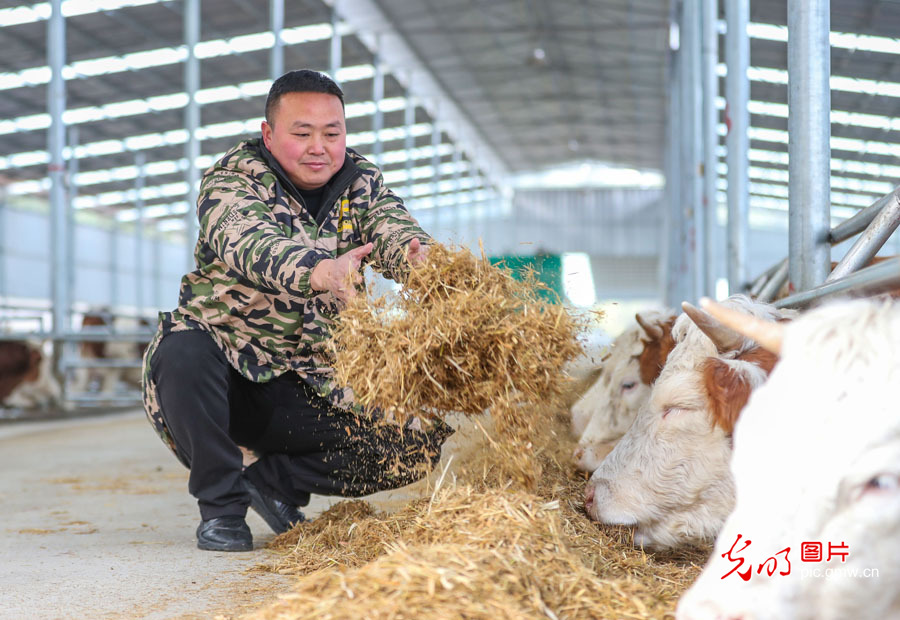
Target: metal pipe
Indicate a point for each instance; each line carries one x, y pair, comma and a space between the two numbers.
409, 141
3, 243
192, 122
377, 115
140, 159
114, 233
56, 139
809, 149
756, 286
737, 140
276, 25
770, 290
157, 266
871, 240
710, 83
880, 278
693, 113
72, 194
457, 184
435, 159
669, 263
335, 50
859, 221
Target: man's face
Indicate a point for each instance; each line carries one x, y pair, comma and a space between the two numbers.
307, 137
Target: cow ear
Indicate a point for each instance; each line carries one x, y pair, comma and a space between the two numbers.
656, 352
728, 384
727, 391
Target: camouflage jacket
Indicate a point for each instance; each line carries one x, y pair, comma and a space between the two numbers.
255, 252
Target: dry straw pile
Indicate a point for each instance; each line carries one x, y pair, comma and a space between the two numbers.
462, 335
504, 534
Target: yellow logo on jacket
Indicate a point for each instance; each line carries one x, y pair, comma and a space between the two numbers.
344, 222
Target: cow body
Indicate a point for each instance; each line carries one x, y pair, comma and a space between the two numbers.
26, 377
816, 459
612, 403
669, 475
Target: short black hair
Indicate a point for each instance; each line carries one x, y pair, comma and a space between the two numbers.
300, 81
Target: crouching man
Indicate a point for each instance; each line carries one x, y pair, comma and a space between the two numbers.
287, 222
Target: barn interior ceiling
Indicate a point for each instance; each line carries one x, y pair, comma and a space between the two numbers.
541, 83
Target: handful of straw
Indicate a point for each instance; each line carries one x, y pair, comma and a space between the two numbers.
462, 335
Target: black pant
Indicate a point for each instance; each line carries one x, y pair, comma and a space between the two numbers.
306, 445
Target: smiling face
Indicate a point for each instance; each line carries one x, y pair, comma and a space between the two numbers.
308, 137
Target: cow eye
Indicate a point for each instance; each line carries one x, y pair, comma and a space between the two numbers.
668, 410
882, 483
628, 385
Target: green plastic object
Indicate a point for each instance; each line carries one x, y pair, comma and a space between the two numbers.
548, 268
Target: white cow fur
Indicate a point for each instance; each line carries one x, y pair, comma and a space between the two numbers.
817, 458
618, 370
614, 400
669, 474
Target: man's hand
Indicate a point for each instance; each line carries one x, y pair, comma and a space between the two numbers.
417, 252
339, 276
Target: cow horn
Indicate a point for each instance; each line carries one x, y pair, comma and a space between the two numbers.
768, 334
652, 329
725, 338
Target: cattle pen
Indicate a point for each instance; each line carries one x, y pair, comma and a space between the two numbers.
563, 199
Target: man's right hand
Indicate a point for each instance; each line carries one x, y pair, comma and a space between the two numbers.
339, 276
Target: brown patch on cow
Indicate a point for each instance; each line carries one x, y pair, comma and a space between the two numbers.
727, 390
19, 363
656, 352
93, 349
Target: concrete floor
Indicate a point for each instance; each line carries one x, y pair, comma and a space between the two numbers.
98, 523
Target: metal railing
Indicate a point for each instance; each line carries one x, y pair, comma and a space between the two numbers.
875, 224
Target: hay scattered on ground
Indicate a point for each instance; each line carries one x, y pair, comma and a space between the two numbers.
478, 548
504, 533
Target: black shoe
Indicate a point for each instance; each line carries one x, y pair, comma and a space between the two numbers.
280, 516
224, 534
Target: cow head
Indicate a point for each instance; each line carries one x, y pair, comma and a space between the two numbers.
816, 459
669, 474
613, 402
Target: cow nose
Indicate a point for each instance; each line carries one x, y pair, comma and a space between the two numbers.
579, 453
589, 497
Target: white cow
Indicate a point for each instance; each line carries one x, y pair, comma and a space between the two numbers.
623, 386
816, 460
669, 474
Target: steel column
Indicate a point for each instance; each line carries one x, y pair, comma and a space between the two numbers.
435, 166
809, 149
192, 122
710, 79
276, 25
377, 114
409, 141
72, 194
140, 160
335, 52
56, 139
737, 95
3, 241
